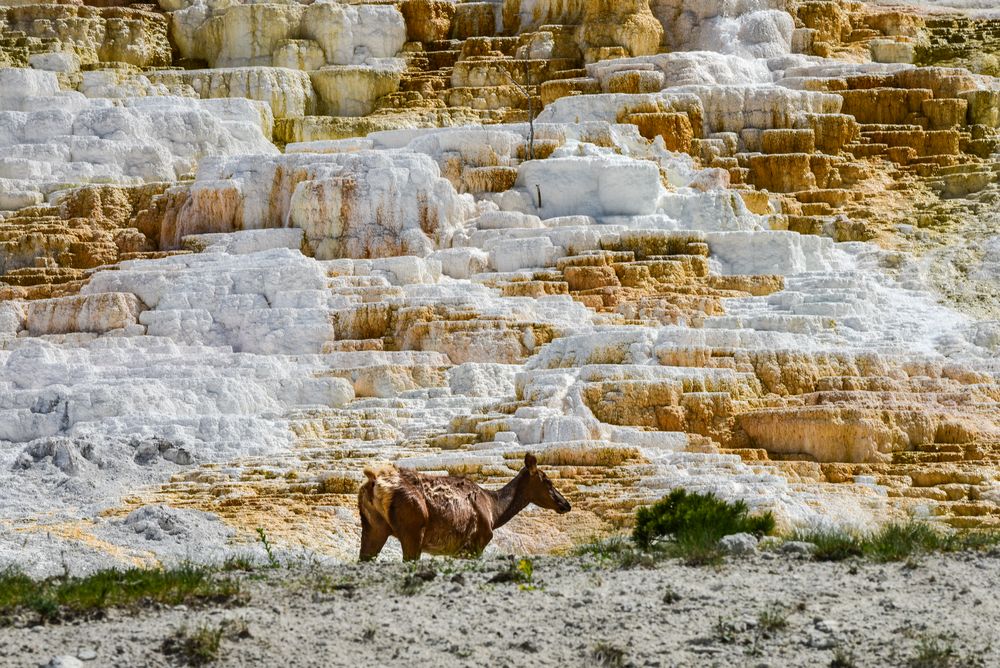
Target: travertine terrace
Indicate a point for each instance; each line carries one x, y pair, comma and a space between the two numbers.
750, 247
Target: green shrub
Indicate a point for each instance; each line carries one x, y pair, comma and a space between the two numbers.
697, 520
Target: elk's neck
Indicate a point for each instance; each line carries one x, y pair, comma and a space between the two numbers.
508, 501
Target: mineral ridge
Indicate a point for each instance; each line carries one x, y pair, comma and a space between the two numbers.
246, 248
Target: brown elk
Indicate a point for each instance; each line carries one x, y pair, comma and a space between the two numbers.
445, 514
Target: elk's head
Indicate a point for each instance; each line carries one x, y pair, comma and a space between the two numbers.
540, 490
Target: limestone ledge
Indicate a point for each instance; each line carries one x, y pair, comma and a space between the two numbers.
54, 139
90, 35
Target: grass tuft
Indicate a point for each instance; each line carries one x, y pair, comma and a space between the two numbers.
933, 653
831, 544
195, 647
897, 541
607, 655
620, 552
843, 658
773, 618
241, 561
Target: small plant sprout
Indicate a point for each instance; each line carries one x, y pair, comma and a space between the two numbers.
272, 559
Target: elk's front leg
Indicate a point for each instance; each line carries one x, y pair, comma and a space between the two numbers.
482, 537
374, 534
409, 518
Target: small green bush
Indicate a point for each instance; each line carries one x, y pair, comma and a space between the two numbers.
697, 520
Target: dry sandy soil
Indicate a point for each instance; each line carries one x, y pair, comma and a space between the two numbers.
768, 609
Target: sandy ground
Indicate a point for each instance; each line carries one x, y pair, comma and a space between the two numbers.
573, 613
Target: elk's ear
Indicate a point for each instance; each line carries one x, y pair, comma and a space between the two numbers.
530, 462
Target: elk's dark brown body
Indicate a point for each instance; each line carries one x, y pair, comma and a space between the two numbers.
445, 514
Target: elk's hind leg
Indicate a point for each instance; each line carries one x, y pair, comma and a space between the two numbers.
374, 533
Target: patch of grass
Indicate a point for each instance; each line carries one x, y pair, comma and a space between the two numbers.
410, 585
607, 655
325, 583
896, 542
195, 647
239, 562
621, 552
55, 598
697, 519
937, 651
933, 652
831, 544
520, 571
971, 540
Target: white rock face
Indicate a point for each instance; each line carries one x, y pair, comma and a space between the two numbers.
351, 90
349, 50
354, 204
592, 186
423, 295
51, 138
748, 28
289, 92
243, 34
55, 62
98, 313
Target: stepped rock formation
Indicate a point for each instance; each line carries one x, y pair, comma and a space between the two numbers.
248, 248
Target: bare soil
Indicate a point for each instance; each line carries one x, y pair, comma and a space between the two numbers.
769, 609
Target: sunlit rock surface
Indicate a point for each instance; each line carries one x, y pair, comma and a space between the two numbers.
248, 248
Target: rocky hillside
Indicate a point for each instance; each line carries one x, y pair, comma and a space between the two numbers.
246, 248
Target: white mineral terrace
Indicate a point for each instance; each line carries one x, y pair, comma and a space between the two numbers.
434, 297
